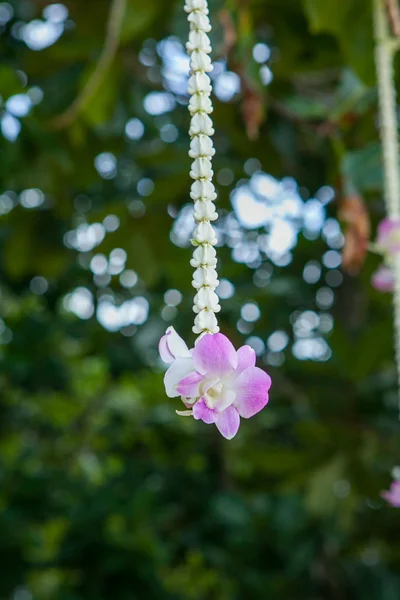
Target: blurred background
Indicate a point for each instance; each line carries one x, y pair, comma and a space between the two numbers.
104, 492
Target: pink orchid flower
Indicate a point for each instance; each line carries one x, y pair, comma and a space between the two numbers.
382, 279
388, 238
387, 243
217, 383
393, 494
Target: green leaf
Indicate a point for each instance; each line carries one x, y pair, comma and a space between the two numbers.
352, 96
326, 15
101, 105
306, 108
138, 17
141, 258
26, 250
320, 496
362, 169
351, 24
10, 82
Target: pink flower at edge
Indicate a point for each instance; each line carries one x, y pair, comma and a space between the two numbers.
382, 279
218, 382
388, 235
392, 496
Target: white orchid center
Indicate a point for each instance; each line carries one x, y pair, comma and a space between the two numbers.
213, 394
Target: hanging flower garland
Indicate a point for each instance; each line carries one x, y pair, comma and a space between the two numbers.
217, 384
387, 278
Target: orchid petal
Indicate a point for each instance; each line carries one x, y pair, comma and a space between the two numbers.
177, 371
252, 391
184, 413
214, 354
382, 279
176, 344
203, 413
388, 237
393, 495
246, 358
225, 399
164, 350
189, 386
228, 422
385, 228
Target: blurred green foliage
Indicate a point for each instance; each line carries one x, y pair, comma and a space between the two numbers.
105, 493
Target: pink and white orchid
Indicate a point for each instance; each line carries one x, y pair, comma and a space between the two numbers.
392, 496
382, 279
388, 237
388, 244
217, 383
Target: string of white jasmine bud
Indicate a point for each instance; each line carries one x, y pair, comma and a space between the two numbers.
385, 49
205, 278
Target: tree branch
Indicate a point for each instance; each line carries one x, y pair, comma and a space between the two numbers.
111, 44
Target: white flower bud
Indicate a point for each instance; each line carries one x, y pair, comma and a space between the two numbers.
199, 82
199, 61
201, 169
204, 232
198, 40
203, 189
204, 209
205, 320
201, 145
199, 20
206, 298
192, 5
201, 123
204, 255
200, 102
205, 276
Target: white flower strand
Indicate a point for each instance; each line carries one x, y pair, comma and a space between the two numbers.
385, 49
205, 278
